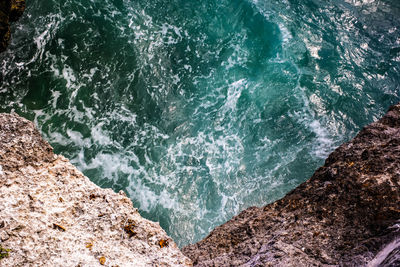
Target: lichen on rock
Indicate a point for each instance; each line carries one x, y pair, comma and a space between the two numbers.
52, 215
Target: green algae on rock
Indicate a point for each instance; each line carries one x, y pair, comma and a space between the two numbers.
4, 252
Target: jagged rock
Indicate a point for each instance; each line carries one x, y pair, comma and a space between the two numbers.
10, 11
346, 214
52, 215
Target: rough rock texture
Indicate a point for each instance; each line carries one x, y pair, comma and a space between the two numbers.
346, 214
10, 11
52, 215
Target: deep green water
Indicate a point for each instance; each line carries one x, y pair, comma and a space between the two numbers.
199, 109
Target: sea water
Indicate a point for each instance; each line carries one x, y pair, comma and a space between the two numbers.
200, 109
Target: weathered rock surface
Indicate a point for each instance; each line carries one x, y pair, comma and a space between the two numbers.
346, 214
10, 11
52, 215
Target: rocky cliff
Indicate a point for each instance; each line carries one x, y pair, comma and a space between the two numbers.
10, 11
52, 215
346, 214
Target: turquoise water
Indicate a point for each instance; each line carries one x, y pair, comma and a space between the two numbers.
200, 109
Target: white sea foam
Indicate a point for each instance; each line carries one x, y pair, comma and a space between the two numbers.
238, 58
323, 144
56, 95
100, 136
234, 92
149, 199
45, 34
286, 36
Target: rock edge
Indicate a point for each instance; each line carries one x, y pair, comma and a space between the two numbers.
346, 214
52, 215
